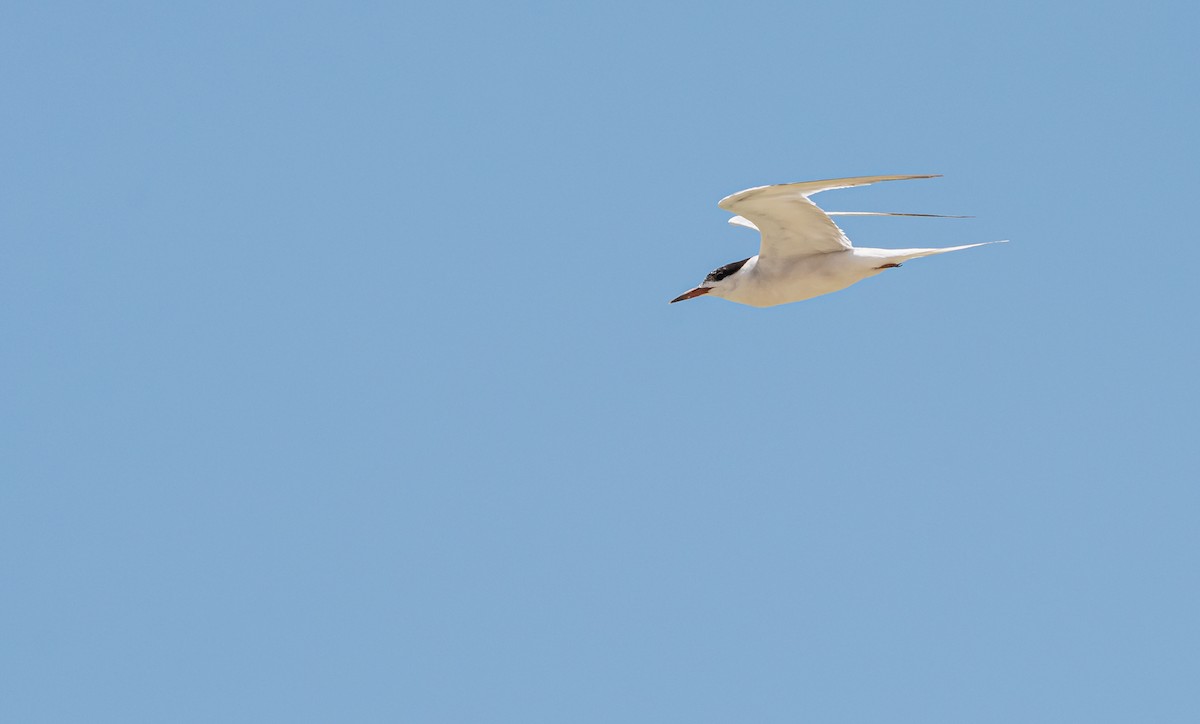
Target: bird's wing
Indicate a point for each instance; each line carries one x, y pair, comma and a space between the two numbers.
790, 224
743, 221
894, 213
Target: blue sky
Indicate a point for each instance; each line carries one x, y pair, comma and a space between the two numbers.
340, 381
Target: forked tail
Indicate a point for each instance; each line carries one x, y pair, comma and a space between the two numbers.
902, 255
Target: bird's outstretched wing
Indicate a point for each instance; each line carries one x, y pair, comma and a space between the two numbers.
790, 224
743, 221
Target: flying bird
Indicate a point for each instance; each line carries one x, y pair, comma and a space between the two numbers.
803, 253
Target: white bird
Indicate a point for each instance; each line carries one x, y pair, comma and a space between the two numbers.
803, 253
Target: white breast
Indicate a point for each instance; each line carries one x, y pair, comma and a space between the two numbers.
772, 282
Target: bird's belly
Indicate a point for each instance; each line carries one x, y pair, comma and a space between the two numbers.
800, 279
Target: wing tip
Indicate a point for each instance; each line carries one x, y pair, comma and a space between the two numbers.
819, 186
895, 213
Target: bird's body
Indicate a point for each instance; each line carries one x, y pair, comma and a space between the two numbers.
803, 253
768, 282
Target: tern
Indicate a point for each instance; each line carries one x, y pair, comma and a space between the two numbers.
803, 253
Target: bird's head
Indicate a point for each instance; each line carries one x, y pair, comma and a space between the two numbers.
718, 280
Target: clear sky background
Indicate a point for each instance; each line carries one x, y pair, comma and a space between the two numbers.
340, 384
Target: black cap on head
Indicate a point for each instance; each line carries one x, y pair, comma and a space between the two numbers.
717, 275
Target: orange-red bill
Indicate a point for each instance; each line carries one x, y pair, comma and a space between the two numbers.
691, 294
